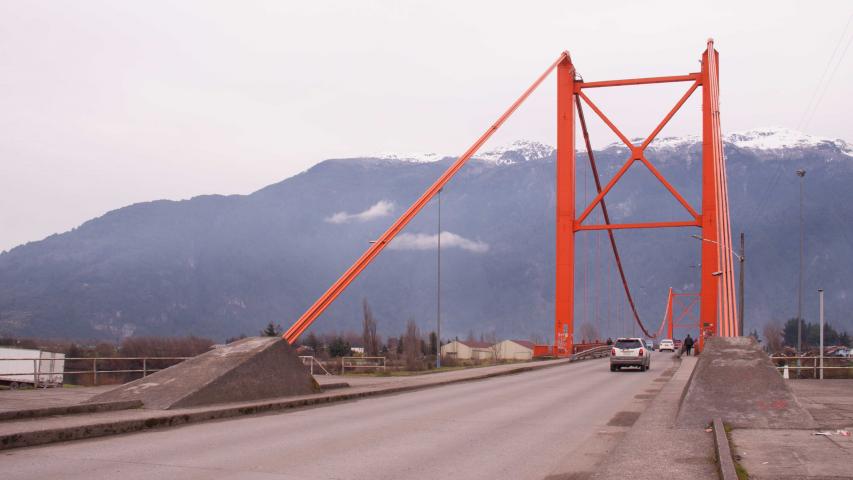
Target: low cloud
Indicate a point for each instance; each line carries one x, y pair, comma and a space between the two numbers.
422, 241
380, 209
624, 208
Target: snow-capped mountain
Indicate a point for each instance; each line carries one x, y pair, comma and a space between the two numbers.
409, 157
515, 152
779, 138
769, 139
226, 265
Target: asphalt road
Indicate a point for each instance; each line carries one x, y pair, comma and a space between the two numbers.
525, 426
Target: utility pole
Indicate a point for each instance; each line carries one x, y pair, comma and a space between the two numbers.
438, 292
742, 264
820, 292
800, 173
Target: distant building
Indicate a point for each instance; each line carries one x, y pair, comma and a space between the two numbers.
467, 350
514, 350
300, 350
839, 351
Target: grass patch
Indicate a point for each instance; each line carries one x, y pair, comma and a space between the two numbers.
742, 474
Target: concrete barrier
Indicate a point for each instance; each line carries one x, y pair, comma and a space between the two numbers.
725, 462
69, 410
735, 381
246, 370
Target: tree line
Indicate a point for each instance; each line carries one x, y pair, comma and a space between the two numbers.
777, 335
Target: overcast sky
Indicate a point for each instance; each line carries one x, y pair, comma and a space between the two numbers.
103, 104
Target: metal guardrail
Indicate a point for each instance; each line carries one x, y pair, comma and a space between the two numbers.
816, 367
360, 362
595, 352
310, 361
145, 370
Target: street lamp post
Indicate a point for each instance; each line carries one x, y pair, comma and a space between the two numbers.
740, 303
438, 292
802, 174
820, 292
741, 257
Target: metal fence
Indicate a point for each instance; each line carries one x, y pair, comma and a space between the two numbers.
592, 352
309, 361
145, 368
362, 362
811, 367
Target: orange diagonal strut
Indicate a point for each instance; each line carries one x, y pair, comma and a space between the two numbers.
341, 284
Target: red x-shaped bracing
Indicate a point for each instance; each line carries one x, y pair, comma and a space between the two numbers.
637, 154
680, 307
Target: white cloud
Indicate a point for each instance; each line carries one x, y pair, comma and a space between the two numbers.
380, 209
624, 208
422, 241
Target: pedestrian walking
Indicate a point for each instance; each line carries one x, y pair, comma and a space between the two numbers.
688, 344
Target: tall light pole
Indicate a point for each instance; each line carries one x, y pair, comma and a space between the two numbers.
741, 258
820, 292
438, 292
802, 174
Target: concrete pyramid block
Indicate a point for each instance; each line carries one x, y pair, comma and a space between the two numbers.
248, 369
735, 380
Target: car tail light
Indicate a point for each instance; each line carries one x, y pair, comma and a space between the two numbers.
642, 351
612, 352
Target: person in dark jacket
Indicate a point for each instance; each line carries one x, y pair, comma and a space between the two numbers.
688, 344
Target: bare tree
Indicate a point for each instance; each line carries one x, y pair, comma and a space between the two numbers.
470, 337
589, 332
412, 347
536, 338
368, 336
494, 347
773, 337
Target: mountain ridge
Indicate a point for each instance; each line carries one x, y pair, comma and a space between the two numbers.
228, 264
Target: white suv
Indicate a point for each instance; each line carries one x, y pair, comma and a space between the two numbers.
629, 352
666, 344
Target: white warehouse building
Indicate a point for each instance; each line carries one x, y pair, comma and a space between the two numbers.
467, 350
514, 350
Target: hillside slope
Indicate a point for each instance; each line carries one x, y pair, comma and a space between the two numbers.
224, 265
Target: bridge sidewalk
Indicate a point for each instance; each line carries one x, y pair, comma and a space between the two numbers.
655, 448
56, 428
821, 453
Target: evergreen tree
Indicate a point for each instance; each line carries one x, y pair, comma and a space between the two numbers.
340, 348
271, 330
312, 341
790, 332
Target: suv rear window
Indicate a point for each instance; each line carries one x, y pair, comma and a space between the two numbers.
628, 344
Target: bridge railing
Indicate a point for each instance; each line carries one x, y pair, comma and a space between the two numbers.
309, 361
808, 366
375, 363
593, 352
112, 369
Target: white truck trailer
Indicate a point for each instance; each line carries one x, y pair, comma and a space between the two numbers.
20, 367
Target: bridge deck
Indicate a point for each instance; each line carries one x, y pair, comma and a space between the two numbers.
521, 426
